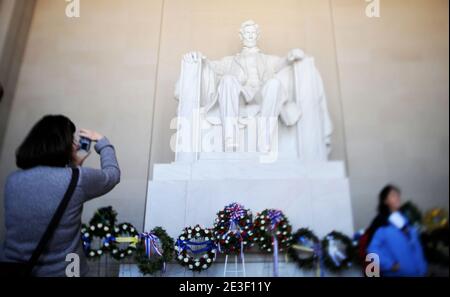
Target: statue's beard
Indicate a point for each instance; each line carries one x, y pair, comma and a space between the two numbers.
249, 44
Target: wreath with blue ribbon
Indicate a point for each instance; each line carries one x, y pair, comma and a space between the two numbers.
233, 229
337, 251
123, 233
154, 250
272, 228
305, 249
196, 249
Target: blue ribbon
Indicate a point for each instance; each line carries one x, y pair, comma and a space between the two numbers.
184, 245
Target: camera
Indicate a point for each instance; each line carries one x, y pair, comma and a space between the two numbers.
85, 144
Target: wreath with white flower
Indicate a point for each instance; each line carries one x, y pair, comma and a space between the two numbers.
337, 251
305, 248
272, 225
196, 248
123, 233
88, 234
233, 229
154, 250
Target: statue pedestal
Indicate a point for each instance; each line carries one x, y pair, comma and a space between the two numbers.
313, 195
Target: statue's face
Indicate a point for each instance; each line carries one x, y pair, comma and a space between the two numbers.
250, 36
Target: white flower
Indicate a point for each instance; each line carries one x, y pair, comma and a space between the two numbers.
108, 235
115, 251
206, 231
262, 228
208, 260
122, 255
269, 250
99, 225
278, 232
130, 251
186, 260
132, 230
92, 228
106, 244
106, 228
180, 257
284, 233
197, 263
92, 254
206, 238
191, 266
125, 227
86, 234
99, 252
197, 229
205, 266
182, 238
117, 230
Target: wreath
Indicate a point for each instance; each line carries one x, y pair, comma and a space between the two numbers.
305, 248
337, 251
233, 229
154, 250
196, 248
123, 233
106, 216
272, 226
88, 233
412, 213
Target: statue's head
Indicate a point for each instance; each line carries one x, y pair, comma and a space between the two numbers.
249, 33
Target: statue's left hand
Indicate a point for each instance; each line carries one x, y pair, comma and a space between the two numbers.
296, 55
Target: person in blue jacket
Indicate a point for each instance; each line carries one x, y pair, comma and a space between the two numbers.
395, 240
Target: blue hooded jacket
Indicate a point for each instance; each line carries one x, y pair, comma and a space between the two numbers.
393, 246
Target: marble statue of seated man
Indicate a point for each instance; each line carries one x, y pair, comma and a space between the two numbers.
246, 85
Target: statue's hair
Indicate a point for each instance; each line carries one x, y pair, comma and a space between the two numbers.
249, 23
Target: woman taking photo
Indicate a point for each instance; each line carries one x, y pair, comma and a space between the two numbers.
394, 240
34, 193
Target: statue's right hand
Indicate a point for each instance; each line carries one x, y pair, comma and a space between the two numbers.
193, 57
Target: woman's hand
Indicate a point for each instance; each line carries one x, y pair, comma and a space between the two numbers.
78, 160
92, 135
396, 267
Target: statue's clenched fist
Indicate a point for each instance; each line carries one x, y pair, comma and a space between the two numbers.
193, 57
296, 55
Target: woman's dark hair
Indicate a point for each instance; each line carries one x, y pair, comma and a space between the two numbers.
383, 209
49, 143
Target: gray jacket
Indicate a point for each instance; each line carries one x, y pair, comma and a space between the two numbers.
31, 199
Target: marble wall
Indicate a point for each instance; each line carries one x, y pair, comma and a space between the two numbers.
114, 68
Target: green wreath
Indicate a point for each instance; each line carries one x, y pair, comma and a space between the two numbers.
150, 264
268, 224
304, 248
123, 233
106, 216
196, 256
88, 233
337, 251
